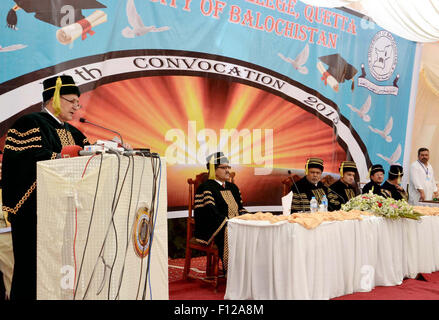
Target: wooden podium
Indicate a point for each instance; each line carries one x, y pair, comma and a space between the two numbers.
102, 228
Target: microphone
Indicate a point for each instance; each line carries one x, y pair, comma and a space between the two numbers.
83, 120
88, 153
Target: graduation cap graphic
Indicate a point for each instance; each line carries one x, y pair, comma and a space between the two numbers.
50, 11
338, 71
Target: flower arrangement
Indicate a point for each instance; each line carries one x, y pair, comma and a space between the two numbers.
386, 207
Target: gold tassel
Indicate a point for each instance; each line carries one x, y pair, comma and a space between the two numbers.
56, 97
306, 167
341, 170
370, 169
212, 175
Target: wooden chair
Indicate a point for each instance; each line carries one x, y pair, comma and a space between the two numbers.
211, 250
328, 180
288, 182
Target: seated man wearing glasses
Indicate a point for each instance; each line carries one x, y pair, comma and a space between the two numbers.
34, 137
216, 201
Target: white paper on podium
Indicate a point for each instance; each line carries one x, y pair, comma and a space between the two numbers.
286, 203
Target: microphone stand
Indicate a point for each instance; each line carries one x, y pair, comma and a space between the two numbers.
83, 120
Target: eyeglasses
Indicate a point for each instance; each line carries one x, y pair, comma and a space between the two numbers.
74, 102
225, 167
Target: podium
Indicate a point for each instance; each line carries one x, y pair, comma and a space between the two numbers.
102, 228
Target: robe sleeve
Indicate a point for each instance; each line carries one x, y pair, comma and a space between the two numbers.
239, 201
25, 144
334, 200
208, 219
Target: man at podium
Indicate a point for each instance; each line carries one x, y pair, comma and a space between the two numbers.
34, 137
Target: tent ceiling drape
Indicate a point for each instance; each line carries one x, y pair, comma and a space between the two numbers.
414, 20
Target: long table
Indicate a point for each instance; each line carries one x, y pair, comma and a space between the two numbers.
287, 261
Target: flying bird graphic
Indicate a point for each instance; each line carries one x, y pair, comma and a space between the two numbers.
385, 134
13, 47
138, 28
362, 112
394, 157
300, 60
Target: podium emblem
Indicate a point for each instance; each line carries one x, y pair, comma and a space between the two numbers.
142, 232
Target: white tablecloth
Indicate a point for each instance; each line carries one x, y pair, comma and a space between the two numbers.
287, 261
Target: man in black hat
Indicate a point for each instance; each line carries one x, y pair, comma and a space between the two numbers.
309, 186
35, 137
391, 186
216, 201
376, 173
342, 190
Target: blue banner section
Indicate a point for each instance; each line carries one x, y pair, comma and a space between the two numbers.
340, 56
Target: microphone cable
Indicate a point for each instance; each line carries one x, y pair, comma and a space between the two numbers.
107, 232
130, 233
89, 227
157, 178
152, 225
114, 225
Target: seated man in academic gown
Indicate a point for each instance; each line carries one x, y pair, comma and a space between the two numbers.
35, 137
309, 186
391, 186
342, 190
216, 201
376, 173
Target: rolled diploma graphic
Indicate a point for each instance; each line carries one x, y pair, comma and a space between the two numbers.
70, 33
330, 79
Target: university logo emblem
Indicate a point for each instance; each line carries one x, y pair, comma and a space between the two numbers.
142, 229
382, 56
382, 59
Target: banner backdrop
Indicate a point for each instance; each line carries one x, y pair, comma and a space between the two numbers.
268, 82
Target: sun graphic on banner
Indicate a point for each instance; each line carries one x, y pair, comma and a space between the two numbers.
185, 118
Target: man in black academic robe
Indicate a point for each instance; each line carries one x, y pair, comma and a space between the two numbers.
216, 201
309, 186
391, 185
342, 190
376, 174
35, 137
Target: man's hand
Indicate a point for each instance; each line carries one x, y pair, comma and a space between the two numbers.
70, 151
422, 195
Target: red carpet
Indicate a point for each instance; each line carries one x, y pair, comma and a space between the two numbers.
192, 289
425, 288
410, 289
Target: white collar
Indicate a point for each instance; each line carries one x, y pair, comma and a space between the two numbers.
59, 121
221, 183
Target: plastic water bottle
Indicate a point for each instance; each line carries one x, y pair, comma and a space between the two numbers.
325, 203
313, 205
